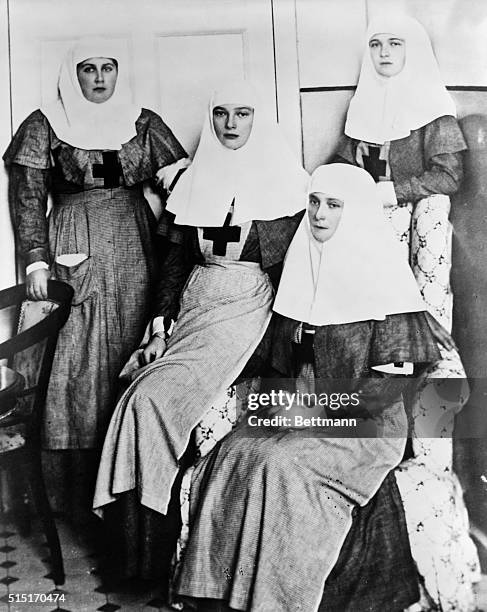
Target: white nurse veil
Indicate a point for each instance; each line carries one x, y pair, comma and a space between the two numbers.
361, 271
263, 177
88, 125
389, 108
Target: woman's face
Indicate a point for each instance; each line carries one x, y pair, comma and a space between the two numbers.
324, 212
233, 124
97, 77
388, 53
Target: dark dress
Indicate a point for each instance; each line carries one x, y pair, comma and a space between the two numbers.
269, 514
98, 209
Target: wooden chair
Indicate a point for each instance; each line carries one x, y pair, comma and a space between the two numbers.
30, 352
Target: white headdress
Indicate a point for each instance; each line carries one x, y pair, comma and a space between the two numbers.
88, 125
388, 108
263, 176
360, 273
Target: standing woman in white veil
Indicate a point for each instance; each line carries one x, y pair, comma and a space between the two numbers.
91, 149
401, 127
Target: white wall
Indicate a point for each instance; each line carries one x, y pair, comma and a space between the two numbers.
330, 41
7, 258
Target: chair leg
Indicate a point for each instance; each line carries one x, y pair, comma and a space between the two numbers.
41, 501
15, 481
20, 502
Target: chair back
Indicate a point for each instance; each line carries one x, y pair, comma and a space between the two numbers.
31, 351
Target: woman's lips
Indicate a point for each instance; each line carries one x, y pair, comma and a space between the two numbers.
231, 136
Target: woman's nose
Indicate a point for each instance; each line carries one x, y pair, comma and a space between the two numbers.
230, 123
321, 212
99, 76
384, 51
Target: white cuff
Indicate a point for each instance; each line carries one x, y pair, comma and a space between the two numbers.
158, 328
37, 265
406, 369
387, 193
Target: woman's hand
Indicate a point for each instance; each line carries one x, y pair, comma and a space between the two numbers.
36, 284
152, 351
440, 334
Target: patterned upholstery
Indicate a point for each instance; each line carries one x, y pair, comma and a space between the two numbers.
436, 515
11, 438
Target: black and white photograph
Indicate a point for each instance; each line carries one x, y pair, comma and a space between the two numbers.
243, 305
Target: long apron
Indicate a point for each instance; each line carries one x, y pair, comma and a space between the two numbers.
225, 309
112, 227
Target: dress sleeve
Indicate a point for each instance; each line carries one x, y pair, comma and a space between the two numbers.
443, 144
377, 393
345, 153
179, 244
164, 146
401, 338
281, 354
444, 176
275, 237
31, 144
27, 194
28, 162
153, 148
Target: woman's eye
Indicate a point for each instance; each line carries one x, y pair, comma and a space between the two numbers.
334, 203
218, 113
108, 68
373, 44
243, 114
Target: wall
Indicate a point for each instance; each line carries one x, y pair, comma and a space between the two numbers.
329, 36
7, 251
7, 263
